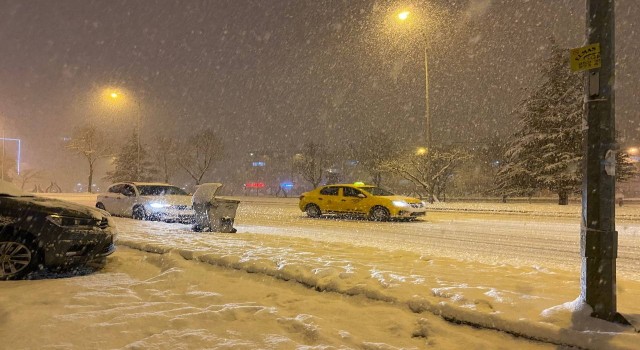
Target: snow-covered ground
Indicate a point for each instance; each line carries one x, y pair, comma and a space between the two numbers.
287, 281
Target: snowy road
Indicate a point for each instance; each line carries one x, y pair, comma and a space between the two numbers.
520, 240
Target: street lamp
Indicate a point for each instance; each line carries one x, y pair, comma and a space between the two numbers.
116, 95
403, 16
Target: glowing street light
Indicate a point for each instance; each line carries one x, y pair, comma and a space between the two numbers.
403, 17
115, 95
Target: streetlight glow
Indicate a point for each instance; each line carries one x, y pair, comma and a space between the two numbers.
402, 18
121, 98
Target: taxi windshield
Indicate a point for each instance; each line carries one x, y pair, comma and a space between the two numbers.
377, 191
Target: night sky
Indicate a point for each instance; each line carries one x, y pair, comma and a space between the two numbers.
273, 74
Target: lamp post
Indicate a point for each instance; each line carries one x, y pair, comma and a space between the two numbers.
114, 95
404, 16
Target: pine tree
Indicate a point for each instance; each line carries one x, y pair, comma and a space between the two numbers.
129, 166
546, 151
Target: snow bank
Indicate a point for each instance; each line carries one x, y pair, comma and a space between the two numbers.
501, 298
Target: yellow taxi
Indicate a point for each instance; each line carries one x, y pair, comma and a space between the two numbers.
360, 199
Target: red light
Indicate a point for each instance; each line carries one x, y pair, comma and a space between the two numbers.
254, 185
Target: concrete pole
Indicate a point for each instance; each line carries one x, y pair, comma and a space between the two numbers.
598, 237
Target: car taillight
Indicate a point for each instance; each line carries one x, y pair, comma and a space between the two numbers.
301, 197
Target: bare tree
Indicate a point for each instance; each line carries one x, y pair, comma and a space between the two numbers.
28, 175
431, 170
198, 153
312, 162
165, 156
91, 144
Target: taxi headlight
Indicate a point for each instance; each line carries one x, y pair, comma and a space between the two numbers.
156, 205
400, 204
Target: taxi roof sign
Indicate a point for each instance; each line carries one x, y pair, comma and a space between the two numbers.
585, 58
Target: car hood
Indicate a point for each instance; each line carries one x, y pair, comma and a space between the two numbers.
172, 199
403, 198
60, 207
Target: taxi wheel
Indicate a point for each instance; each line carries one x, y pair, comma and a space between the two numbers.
313, 211
379, 213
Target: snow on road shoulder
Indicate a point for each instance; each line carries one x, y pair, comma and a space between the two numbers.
511, 299
162, 301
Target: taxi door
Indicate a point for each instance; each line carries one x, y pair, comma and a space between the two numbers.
329, 199
352, 200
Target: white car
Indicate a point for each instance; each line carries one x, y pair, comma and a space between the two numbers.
147, 201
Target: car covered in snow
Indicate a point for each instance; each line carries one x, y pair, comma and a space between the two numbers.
360, 199
39, 232
147, 201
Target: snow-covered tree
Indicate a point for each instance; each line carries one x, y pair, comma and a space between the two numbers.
546, 151
625, 168
312, 162
90, 143
198, 153
430, 170
133, 164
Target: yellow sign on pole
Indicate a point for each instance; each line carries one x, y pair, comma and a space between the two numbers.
585, 58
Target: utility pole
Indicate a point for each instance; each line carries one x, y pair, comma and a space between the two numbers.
598, 237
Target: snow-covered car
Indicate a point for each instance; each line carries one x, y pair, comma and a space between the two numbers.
38, 232
147, 201
360, 199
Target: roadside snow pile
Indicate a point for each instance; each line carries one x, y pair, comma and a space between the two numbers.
499, 297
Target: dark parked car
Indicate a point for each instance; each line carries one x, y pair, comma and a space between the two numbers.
38, 232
